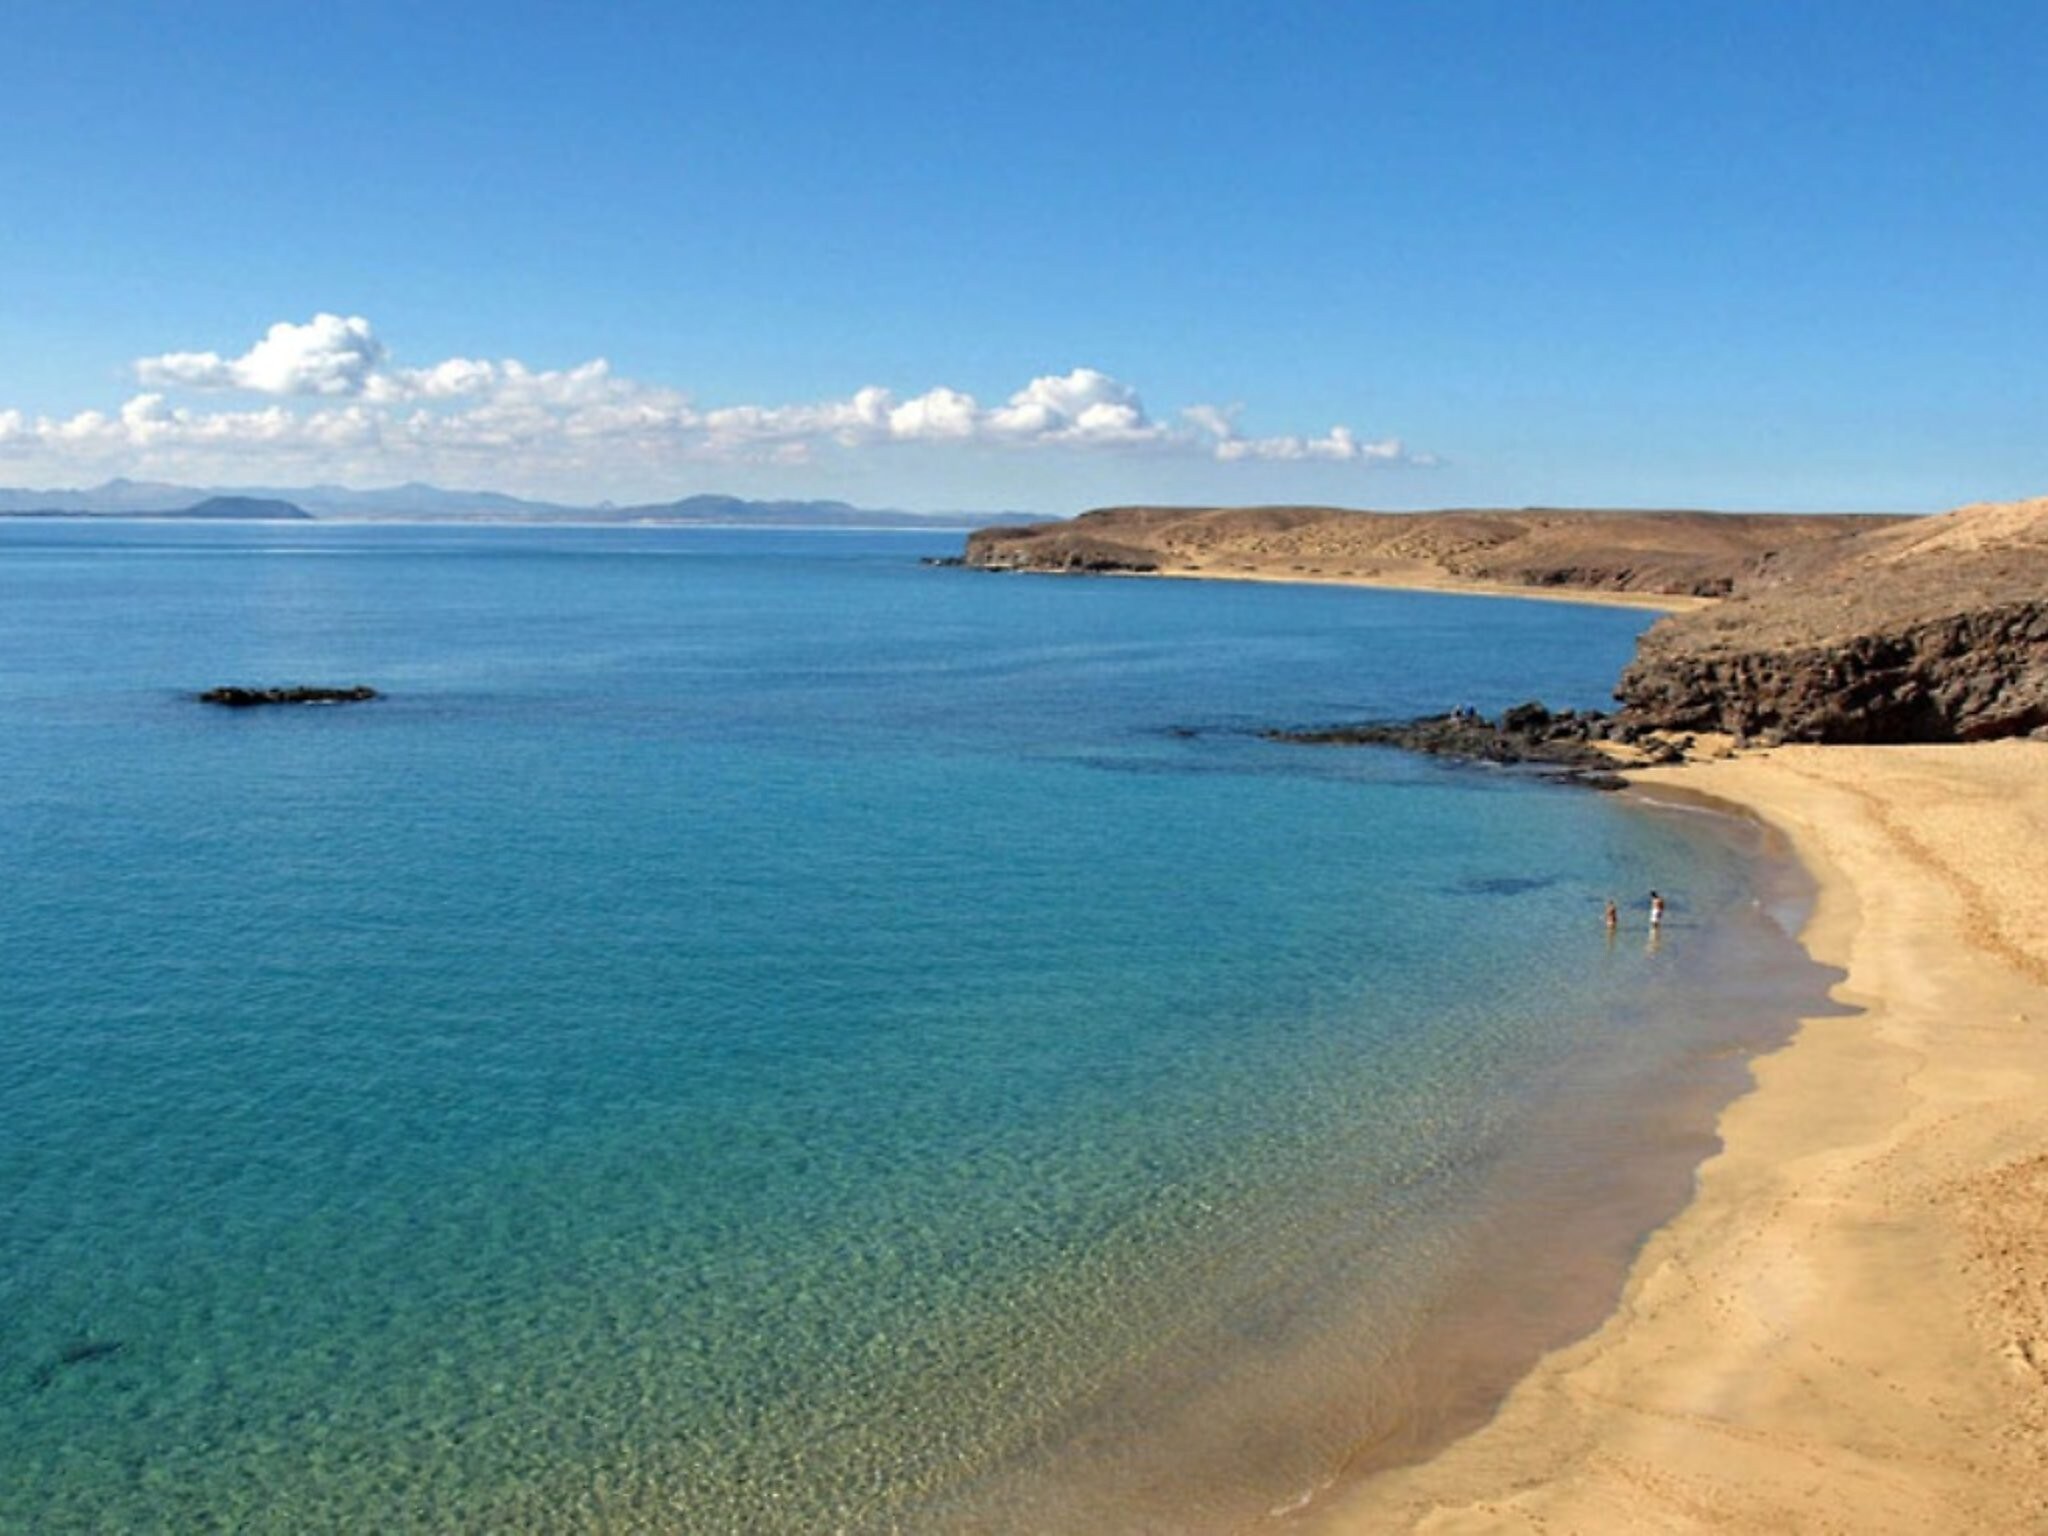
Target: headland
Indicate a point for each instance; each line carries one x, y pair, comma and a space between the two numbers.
1666, 560
1830, 629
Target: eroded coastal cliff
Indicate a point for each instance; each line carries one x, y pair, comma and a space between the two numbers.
1930, 630
1863, 629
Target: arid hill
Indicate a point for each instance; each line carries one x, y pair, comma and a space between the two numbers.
1935, 629
1813, 629
1682, 554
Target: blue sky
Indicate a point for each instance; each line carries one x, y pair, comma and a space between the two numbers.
1398, 255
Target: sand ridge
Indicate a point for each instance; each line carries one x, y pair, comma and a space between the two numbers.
1847, 1331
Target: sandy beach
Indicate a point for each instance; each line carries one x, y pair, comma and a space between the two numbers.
1847, 1330
1420, 581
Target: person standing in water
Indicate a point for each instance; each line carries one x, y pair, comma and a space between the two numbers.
1613, 917
1656, 911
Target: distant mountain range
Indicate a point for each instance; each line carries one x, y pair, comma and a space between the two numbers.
146, 498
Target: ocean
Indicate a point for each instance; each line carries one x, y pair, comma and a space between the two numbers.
753, 1033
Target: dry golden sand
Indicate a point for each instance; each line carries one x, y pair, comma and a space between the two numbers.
1847, 1330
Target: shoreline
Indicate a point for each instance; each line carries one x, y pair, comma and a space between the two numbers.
1438, 584
1846, 1327
1604, 1154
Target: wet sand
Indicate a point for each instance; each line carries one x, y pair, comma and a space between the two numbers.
1847, 1328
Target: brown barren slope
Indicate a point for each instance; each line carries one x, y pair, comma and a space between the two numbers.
1679, 554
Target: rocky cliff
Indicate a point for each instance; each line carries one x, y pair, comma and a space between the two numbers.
1930, 630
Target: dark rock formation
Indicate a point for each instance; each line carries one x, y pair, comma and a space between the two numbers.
244, 698
1933, 631
1056, 547
1559, 745
1969, 677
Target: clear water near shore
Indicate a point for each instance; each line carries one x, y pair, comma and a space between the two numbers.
756, 1035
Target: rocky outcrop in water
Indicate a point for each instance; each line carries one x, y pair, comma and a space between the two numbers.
246, 698
1562, 745
1071, 551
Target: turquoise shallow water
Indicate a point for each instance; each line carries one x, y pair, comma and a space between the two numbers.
754, 1034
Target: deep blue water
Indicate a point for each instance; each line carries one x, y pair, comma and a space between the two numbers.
755, 1034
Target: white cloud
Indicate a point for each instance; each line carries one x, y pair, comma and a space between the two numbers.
1084, 407
457, 377
328, 355
333, 404
938, 415
1340, 445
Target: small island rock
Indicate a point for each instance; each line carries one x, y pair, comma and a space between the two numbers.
243, 698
